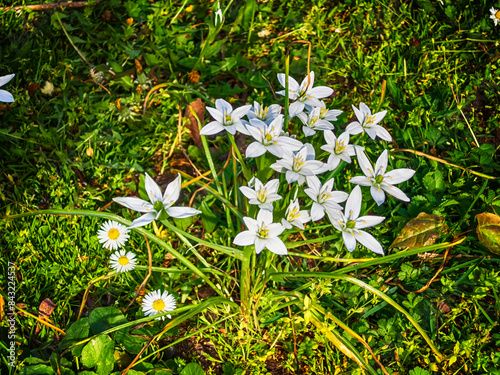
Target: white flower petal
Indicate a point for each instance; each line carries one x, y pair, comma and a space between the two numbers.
254, 150
216, 114
276, 246
353, 204
368, 241
260, 244
144, 220
317, 212
396, 193
349, 240
212, 128
5, 79
354, 128
182, 212
152, 189
135, 204
223, 106
172, 191
396, 176
378, 194
361, 180
245, 238
6, 97
368, 221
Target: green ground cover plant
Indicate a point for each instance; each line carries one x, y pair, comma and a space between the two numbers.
110, 103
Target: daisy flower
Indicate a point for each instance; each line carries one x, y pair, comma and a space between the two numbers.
6, 96
156, 302
368, 123
495, 15
112, 235
123, 261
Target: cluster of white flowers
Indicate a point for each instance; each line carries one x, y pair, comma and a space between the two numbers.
114, 235
297, 160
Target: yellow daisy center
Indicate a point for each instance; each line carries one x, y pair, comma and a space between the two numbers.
113, 234
123, 260
158, 305
497, 15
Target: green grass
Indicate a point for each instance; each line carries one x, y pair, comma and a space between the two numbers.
432, 66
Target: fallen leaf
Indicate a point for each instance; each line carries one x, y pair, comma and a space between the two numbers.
424, 230
46, 308
198, 107
444, 307
488, 231
32, 87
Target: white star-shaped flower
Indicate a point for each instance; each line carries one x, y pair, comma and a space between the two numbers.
269, 138
262, 233
339, 148
295, 217
263, 195
313, 122
225, 118
324, 197
368, 123
304, 94
380, 180
158, 203
263, 113
350, 224
6, 96
298, 165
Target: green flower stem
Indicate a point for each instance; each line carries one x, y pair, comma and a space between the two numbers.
235, 253
287, 94
229, 218
211, 165
245, 278
246, 172
123, 221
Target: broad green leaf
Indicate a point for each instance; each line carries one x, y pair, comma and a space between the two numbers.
104, 318
37, 370
78, 331
192, 369
424, 230
208, 218
99, 352
419, 371
488, 231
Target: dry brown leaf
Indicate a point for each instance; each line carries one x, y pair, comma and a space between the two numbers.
199, 108
488, 231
